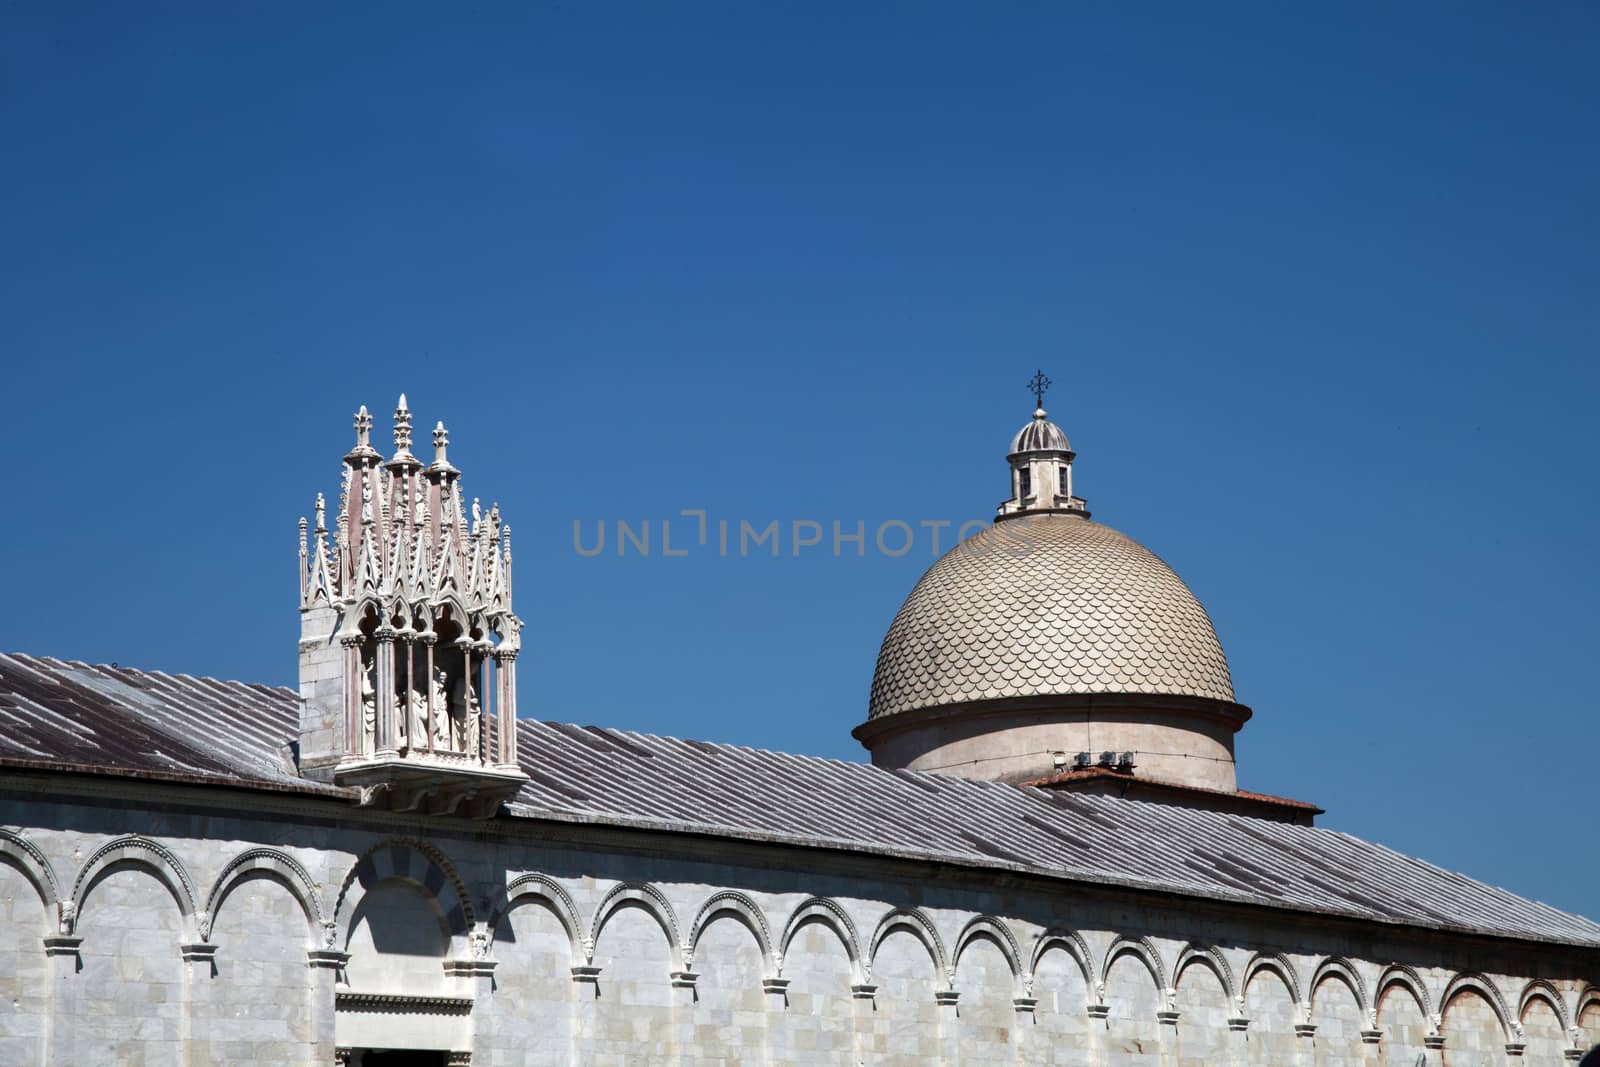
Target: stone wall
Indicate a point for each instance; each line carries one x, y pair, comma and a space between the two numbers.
160, 926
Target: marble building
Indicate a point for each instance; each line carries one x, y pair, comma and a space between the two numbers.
1047, 861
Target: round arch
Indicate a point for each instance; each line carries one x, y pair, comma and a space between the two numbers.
636, 895
1476, 983
1142, 949
1539, 989
537, 888
1068, 941
737, 906
827, 913
1408, 979
913, 921
1341, 969
33, 865
417, 863
1278, 964
1196, 955
272, 864
132, 851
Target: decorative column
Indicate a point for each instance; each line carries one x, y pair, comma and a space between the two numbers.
466, 695
1167, 1024
355, 746
485, 723
948, 1000
408, 714
384, 740
1372, 1040
433, 710
475, 978
62, 951
506, 711
199, 969
325, 964
1239, 1034
1099, 1013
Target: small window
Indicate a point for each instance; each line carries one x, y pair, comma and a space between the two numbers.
1025, 483
1066, 488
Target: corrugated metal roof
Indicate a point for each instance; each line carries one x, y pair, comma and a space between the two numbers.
55, 712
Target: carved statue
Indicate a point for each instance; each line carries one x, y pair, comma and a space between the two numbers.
441, 703
68, 916
369, 713
417, 728
464, 712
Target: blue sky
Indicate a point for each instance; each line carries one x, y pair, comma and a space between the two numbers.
1315, 285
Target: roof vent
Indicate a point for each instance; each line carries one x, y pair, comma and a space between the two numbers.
1125, 762
1082, 761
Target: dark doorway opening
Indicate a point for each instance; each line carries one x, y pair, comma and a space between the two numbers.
396, 1057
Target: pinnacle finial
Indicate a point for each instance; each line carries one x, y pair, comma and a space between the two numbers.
441, 445
402, 429
363, 428
1039, 384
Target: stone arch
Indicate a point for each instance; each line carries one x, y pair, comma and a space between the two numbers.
1205, 956
1590, 995
1539, 989
136, 851
418, 863
1486, 989
989, 928
740, 907
1279, 965
1144, 951
270, 863
827, 913
1401, 975
920, 927
640, 895
1337, 967
1072, 943
537, 887
35, 867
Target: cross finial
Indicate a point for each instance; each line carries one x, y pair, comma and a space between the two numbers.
1039, 384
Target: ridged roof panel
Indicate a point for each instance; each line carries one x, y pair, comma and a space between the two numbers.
95, 719
1042, 605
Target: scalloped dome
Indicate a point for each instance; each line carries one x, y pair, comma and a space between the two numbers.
1047, 604
1039, 435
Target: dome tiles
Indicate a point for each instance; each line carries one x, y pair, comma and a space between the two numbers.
1047, 604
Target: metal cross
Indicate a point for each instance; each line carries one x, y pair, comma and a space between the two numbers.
1039, 384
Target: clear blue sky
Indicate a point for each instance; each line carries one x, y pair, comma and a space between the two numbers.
1316, 284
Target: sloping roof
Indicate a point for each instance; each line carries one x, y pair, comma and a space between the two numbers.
115, 720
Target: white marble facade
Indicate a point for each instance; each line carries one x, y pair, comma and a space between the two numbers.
150, 925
